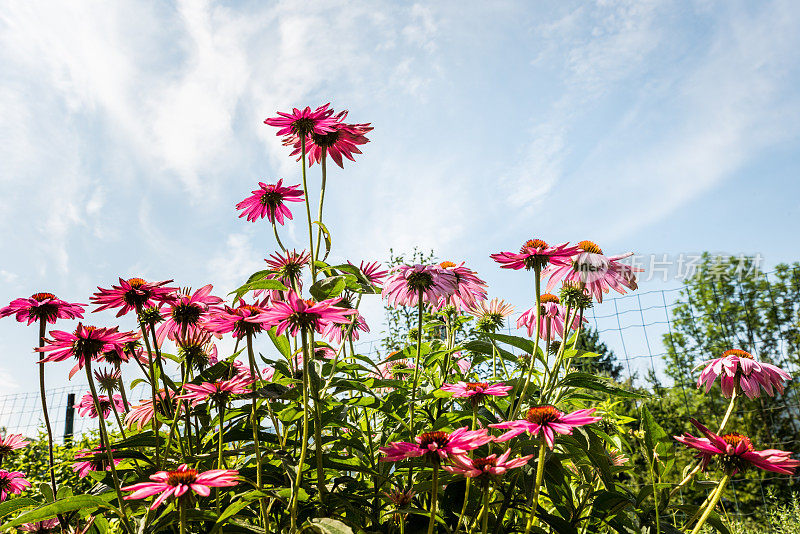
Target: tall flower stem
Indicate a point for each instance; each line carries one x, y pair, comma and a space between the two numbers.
154, 391
278, 239
434, 497
711, 505
416, 379
304, 440
485, 518
51, 462
104, 440
538, 287
255, 424
182, 515
538, 484
220, 461
308, 209
324, 166
469, 479
314, 390
125, 402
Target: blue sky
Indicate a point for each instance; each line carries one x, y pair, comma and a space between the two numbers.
129, 130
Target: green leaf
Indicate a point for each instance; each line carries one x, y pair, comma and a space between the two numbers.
281, 343
328, 287
77, 502
327, 236
47, 492
12, 505
596, 383
326, 525
262, 283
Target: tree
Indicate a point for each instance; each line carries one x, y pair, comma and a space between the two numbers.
606, 364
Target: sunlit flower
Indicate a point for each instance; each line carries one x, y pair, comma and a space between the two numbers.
486, 467
407, 282
535, 253
468, 291
476, 391
86, 342
735, 452
12, 482
596, 272
335, 332
737, 368
616, 457
342, 141
463, 363
548, 420
42, 306
288, 267
490, 317
142, 414
373, 271
48, 526
86, 405
108, 379
295, 314
11, 442
188, 311
196, 348
269, 201
176, 483
241, 320
217, 392
437, 445
92, 460
133, 294
551, 318
304, 122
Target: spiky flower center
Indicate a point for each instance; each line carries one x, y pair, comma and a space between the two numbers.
186, 314
590, 246
436, 438
419, 281
136, 283
304, 319
136, 296
447, 265
734, 439
271, 198
5, 449
401, 499
541, 415
150, 316
737, 352
87, 346
477, 386
175, 478
532, 243
303, 126
39, 297
325, 140
483, 463
573, 293
549, 297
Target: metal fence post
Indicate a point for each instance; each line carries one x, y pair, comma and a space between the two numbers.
69, 421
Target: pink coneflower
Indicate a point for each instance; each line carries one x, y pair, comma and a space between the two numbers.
295, 313
142, 414
217, 392
288, 268
343, 140
304, 122
735, 452
178, 482
468, 291
535, 253
92, 460
738, 368
335, 332
548, 420
596, 272
187, 312
463, 363
476, 391
551, 318
373, 271
487, 467
406, 282
48, 526
133, 294
10, 443
42, 306
12, 482
86, 342
268, 201
241, 320
196, 348
86, 405
108, 379
616, 457
437, 445
490, 317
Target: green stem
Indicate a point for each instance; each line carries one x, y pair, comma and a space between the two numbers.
434, 497
485, 518
655, 494
537, 284
324, 166
46, 414
304, 440
278, 239
711, 505
154, 391
182, 514
538, 484
255, 424
220, 461
416, 378
308, 210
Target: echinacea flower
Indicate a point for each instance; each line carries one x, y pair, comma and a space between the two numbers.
42, 307
342, 141
11, 442
335, 332
142, 414
187, 311
491, 317
476, 391
535, 253
486, 467
295, 314
92, 460
735, 452
196, 348
241, 320
269, 201
407, 282
373, 271
48, 526
12, 482
548, 420
437, 445
304, 122
737, 368
596, 272
468, 290
462, 363
176, 483
552, 317
86, 405
133, 294
86, 342
217, 392
108, 379
288, 268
